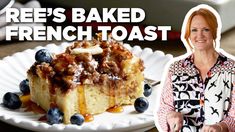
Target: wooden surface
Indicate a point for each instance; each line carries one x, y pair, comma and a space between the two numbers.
175, 48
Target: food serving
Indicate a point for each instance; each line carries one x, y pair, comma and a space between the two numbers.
89, 78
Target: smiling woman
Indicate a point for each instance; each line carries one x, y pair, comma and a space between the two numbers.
201, 21
198, 90
201, 35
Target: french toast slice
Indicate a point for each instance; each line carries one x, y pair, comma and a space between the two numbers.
88, 78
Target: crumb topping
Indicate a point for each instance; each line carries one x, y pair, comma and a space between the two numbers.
69, 69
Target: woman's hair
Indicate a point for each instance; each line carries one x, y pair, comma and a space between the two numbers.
210, 19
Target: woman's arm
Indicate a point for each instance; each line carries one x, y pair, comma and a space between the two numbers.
166, 104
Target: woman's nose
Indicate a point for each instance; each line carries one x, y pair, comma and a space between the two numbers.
200, 34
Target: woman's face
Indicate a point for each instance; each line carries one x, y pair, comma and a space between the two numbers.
200, 34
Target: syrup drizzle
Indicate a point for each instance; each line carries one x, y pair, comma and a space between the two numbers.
81, 100
115, 109
31, 106
88, 117
43, 118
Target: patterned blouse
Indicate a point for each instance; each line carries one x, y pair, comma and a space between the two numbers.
201, 103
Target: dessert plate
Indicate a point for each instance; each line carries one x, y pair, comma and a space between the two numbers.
13, 70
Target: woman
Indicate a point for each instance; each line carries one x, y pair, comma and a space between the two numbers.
199, 91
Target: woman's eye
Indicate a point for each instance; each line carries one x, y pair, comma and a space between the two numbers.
194, 30
207, 29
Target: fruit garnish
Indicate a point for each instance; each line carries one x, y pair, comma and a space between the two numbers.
11, 100
43, 55
147, 90
24, 86
54, 116
77, 119
141, 104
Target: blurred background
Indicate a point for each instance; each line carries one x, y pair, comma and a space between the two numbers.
158, 12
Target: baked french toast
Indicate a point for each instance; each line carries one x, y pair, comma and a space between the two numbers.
88, 78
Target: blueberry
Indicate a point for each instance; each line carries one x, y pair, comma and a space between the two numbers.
54, 116
147, 90
141, 104
43, 55
24, 86
77, 119
11, 100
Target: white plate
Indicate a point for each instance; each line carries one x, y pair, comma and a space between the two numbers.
13, 71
